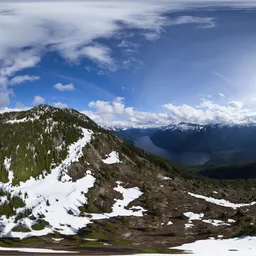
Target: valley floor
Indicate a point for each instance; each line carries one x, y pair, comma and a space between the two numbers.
210, 247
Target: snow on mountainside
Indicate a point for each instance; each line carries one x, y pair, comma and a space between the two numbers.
52, 193
184, 127
47, 196
180, 126
61, 174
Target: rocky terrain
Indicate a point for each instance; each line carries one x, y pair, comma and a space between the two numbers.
66, 183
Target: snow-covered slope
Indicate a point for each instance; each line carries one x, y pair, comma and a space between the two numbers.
54, 196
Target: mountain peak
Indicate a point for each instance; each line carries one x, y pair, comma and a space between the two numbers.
184, 127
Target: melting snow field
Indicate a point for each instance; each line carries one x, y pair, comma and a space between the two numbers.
221, 202
55, 195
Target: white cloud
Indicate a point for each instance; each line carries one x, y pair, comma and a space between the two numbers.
60, 105
38, 100
203, 22
222, 95
209, 112
17, 61
115, 113
62, 87
22, 79
116, 107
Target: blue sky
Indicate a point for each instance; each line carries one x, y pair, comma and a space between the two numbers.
131, 63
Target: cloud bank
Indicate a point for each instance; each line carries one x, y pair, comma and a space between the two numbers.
115, 113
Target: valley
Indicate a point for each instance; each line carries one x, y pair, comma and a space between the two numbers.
183, 158
193, 145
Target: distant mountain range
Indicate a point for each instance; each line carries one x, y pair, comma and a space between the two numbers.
226, 144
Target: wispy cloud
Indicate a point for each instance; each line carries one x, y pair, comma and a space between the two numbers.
201, 22
22, 79
100, 54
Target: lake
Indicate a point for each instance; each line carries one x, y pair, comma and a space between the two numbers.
184, 158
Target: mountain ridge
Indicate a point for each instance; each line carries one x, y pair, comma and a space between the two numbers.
62, 174
178, 126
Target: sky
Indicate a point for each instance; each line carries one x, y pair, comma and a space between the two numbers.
143, 63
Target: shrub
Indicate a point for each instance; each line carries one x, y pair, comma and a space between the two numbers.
17, 202
41, 224
7, 210
20, 228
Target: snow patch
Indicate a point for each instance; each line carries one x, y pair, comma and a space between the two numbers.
221, 247
7, 165
129, 195
162, 177
193, 216
23, 120
112, 158
189, 225
57, 240
216, 223
34, 250
220, 202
